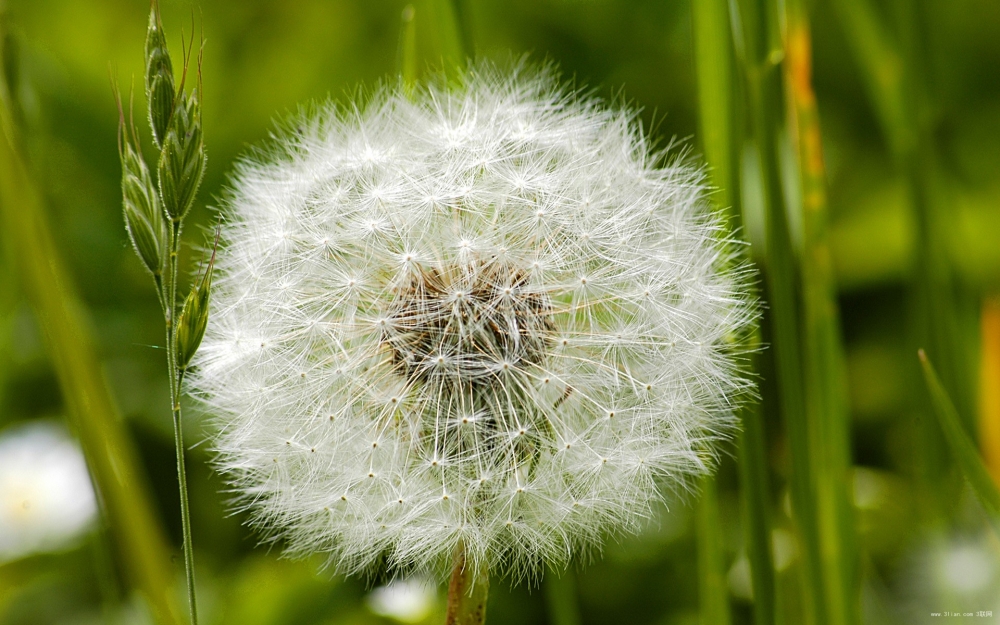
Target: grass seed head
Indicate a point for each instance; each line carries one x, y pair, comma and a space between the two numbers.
159, 77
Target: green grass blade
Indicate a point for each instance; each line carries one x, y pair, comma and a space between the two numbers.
757, 514
961, 446
892, 65
763, 55
111, 458
722, 142
713, 591
825, 368
561, 598
717, 94
446, 29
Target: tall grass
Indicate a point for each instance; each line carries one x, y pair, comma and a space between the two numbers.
800, 295
111, 456
719, 96
893, 64
762, 54
962, 449
824, 369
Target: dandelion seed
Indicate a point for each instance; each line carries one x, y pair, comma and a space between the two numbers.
490, 291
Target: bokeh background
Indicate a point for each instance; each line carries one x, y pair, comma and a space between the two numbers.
263, 59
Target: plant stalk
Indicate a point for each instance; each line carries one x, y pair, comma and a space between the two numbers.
764, 56
467, 591
176, 377
111, 456
824, 367
561, 597
719, 90
713, 594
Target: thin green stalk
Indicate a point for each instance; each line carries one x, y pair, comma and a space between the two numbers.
111, 457
717, 94
713, 591
757, 514
175, 122
763, 55
406, 62
463, 27
467, 591
961, 446
560, 596
722, 140
176, 378
892, 69
823, 353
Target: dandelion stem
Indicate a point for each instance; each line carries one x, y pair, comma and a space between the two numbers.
467, 592
560, 595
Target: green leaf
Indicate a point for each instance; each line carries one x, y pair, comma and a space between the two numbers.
960, 444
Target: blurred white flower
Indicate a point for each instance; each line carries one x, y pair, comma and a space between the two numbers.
46, 498
486, 315
967, 568
955, 572
406, 600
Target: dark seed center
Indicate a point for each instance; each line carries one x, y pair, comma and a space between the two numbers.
467, 323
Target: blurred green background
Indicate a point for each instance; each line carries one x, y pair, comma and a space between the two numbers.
262, 59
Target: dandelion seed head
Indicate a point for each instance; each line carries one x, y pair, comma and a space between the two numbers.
486, 314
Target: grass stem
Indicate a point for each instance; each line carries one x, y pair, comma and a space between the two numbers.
763, 55
713, 591
176, 378
824, 370
719, 90
754, 485
111, 457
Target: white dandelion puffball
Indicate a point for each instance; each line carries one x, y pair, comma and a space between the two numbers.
482, 316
